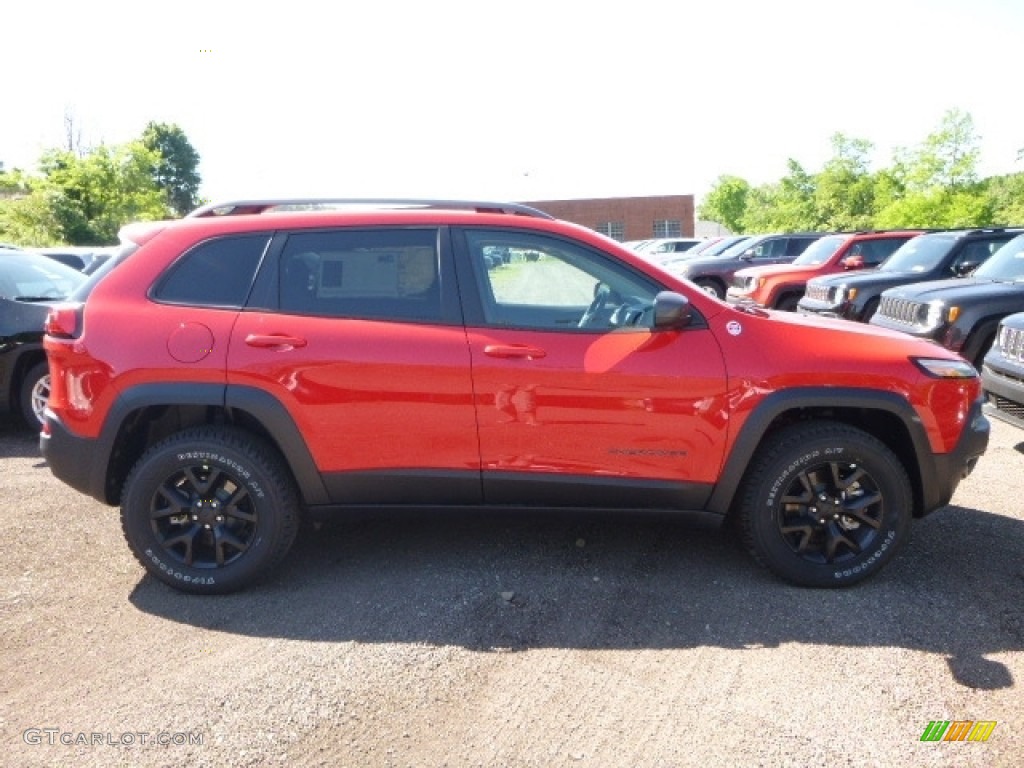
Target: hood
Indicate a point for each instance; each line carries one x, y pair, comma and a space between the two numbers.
960, 290
864, 278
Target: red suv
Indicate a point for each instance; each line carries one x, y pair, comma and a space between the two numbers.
229, 372
780, 286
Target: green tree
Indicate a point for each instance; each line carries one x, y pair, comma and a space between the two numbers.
786, 206
85, 200
1006, 195
176, 171
844, 191
726, 203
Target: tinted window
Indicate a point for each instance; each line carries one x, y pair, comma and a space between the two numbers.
978, 252
874, 252
390, 274
216, 273
553, 284
797, 245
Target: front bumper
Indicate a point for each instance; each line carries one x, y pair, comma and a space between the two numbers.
940, 478
1004, 396
734, 297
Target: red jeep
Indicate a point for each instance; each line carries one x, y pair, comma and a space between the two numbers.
780, 286
229, 372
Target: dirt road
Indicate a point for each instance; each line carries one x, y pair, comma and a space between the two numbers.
465, 640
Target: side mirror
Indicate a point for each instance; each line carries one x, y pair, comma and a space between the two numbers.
965, 268
671, 311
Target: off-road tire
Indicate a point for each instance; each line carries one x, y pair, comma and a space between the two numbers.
824, 504
210, 510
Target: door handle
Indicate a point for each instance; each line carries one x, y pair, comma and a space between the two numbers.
514, 351
274, 341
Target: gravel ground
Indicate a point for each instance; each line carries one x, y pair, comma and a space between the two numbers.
446, 639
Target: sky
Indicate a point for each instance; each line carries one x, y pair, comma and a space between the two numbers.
526, 100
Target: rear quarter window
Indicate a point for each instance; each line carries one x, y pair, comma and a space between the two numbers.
215, 273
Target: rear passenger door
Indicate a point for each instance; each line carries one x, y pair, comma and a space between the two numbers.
358, 332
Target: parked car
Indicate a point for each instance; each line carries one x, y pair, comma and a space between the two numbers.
227, 373
715, 273
1002, 374
29, 285
661, 249
781, 286
83, 258
932, 256
962, 314
712, 248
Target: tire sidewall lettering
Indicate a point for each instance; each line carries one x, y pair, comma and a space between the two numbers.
174, 573
244, 473
871, 560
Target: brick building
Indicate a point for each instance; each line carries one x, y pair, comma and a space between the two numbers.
627, 218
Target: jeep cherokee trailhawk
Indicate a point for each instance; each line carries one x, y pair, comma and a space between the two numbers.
229, 372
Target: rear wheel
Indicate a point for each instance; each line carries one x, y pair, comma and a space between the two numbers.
33, 394
824, 504
209, 510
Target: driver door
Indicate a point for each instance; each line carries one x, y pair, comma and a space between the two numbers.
571, 382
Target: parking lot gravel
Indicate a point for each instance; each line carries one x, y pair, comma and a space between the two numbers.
445, 638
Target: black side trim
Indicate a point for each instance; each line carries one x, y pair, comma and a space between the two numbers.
584, 491
405, 487
773, 406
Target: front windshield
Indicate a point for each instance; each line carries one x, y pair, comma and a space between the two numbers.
820, 251
920, 254
1005, 264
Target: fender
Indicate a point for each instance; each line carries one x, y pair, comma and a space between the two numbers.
263, 407
778, 403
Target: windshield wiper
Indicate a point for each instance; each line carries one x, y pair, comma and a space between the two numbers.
39, 298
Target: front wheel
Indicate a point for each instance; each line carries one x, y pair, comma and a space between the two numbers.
712, 288
825, 504
209, 510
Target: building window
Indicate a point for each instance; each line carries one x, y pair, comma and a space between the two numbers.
613, 229
667, 228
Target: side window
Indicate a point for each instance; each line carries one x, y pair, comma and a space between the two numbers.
877, 251
553, 284
797, 245
215, 273
379, 274
771, 248
974, 254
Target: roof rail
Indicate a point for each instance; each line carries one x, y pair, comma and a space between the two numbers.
240, 207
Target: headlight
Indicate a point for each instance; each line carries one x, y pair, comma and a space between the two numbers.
842, 293
945, 369
935, 314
